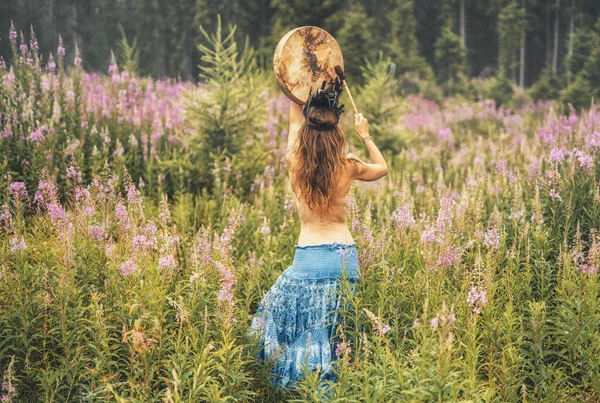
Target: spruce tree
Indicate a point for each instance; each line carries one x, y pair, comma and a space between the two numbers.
356, 42
450, 59
404, 47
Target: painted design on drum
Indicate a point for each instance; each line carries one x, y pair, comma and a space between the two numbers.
303, 59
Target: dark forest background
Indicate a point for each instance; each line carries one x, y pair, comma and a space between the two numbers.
442, 40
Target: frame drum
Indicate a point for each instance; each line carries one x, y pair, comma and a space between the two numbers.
304, 57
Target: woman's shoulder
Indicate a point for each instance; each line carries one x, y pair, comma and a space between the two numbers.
357, 163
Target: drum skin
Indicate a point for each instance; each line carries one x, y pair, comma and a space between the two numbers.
304, 57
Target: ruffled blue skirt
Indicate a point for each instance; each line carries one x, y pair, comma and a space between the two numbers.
297, 318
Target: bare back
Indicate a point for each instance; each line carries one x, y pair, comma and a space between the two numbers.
321, 228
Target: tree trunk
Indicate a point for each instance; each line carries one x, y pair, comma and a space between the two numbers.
547, 29
571, 30
522, 54
463, 28
555, 53
522, 63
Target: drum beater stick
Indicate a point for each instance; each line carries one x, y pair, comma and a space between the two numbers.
340, 73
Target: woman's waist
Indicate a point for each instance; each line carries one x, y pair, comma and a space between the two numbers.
324, 260
332, 233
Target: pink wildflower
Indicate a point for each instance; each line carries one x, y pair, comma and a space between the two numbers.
127, 268
17, 243
476, 299
402, 217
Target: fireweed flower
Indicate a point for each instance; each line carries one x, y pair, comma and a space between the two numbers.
265, 229
377, 323
476, 299
449, 256
558, 154
17, 243
402, 217
342, 348
442, 320
139, 242
492, 238
133, 195
585, 161
5, 216
554, 194
96, 233
12, 33
73, 174
18, 190
344, 253
56, 212
127, 268
121, 216
445, 134
588, 269
51, 66
227, 282
167, 262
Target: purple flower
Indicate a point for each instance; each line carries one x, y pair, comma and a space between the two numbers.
402, 217
127, 268
449, 256
96, 233
445, 134
588, 269
121, 215
558, 154
56, 212
18, 189
554, 194
74, 174
133, 195
476, 299
61, 51
17, 243
342, 348
428, 235
585, 161
344, 252
167, 262
492, 238
266, 230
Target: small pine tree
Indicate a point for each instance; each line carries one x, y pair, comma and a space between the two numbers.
379, 102
546, 87
586, 83
226, 109
583, 40
404, 46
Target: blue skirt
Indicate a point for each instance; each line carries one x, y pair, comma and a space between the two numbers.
297, 318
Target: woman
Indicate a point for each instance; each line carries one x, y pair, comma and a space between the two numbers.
297, 317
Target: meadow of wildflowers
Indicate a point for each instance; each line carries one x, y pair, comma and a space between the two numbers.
119, 281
